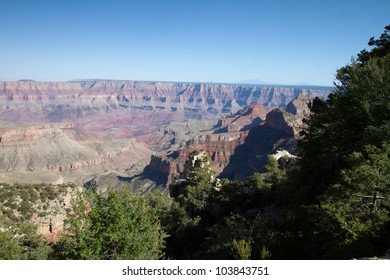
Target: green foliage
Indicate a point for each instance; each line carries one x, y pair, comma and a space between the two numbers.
197, 195
193, 209
119, 225
199, 169
272, 172
34, 246
265, 254
33, 196
241, 249
25, 209
381, 47
19, 241
357, 114
254, 232
344, 167
199, 179
19, 238
9, 247
222, 222
29, 199
358, 206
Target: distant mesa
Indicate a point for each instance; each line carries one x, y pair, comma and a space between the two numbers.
26, 81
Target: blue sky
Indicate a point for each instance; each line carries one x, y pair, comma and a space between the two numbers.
277, 41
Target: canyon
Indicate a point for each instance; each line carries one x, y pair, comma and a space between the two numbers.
115, 133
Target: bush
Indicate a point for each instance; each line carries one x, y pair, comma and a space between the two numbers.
119, 225
33, 197
25, 209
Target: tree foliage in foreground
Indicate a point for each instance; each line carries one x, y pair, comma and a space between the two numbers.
19, 241
119, 225
343, 177
356, 115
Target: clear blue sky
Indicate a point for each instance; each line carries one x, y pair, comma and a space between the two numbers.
276, 41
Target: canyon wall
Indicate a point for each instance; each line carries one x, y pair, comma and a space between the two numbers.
60, 100
240, 152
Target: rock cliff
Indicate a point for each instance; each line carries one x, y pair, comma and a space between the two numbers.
242, 141
244, 119
280, 131
59, 101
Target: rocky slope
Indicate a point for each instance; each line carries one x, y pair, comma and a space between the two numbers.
239, 154
44, 205
51, 154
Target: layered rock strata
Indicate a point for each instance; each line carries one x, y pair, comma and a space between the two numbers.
57, 101
237, 155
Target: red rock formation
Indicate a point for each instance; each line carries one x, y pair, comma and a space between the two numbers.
238, 155
219, 151
244, 119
